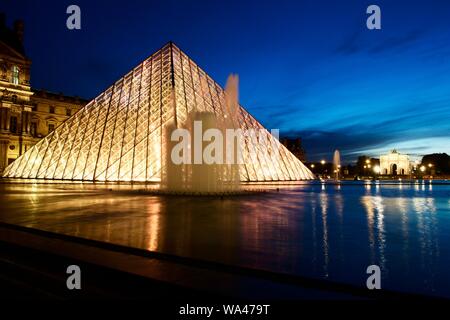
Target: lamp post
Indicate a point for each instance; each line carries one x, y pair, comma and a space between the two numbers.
367, 166
422, 170
376, 169
430, 165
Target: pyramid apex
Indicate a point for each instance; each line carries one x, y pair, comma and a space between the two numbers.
172, 44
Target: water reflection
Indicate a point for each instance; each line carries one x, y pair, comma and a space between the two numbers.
316, 230
428, 238
153, 227
375, 222
324, 209
402, 205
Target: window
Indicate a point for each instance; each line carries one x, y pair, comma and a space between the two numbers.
51, 109
13, 124
34, 107
14, 98
68, 112
51, 127
33, 129
15, 74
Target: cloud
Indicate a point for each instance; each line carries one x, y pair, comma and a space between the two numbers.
276, 116
350, 45
358, 42
415, 128
319, 144
396, 41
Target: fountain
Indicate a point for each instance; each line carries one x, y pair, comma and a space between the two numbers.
199, 177
336, 164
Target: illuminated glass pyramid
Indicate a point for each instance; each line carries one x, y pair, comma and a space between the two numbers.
118, 135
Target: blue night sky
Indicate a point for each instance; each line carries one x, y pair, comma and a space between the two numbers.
310, 68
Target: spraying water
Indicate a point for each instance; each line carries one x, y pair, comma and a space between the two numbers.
337, 164
203, 178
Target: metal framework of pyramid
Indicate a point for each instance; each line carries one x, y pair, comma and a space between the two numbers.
117, 136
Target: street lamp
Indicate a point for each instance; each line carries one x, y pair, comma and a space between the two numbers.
323, 163
422, 168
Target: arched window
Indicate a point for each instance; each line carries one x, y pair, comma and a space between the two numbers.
15, 74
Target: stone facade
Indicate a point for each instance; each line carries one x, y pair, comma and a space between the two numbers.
26, 115
395, 163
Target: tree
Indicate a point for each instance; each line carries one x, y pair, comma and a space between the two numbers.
439, 161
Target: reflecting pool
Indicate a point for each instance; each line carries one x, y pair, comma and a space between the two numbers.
331, 231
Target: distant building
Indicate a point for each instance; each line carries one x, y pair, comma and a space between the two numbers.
436, 164
367, 166
395, 163
295, 146
26, 115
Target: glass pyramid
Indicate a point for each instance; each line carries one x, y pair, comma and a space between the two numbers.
118, 135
